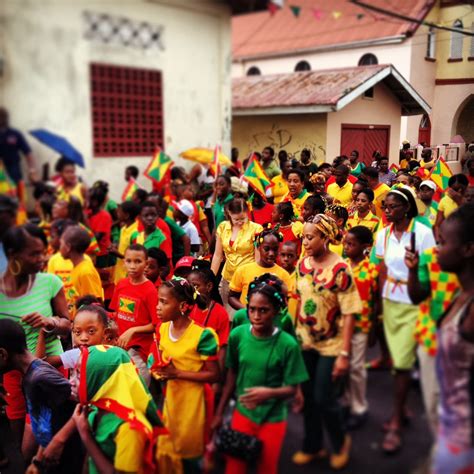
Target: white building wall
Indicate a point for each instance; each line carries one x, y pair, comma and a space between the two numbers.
45, 80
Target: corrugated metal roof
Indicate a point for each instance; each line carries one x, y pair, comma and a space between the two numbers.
262, 34
320, 91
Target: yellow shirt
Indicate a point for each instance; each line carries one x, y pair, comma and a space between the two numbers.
379, 196
341, 195
124, 241
447, 206
86, 280
293, 298
297, 202
57, 265
76, 191
371, 221
242, 250
246, 274
279, 189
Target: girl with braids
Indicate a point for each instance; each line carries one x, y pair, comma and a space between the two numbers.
340, 215
187, 361
328, 300
268, 244
264, 368
283, 217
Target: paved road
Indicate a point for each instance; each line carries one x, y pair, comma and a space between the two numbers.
367, 457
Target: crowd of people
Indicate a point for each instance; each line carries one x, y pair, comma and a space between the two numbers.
178, 327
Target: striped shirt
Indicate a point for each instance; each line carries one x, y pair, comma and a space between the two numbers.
38, 299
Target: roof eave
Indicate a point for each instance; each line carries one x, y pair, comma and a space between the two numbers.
321, 49
283, 110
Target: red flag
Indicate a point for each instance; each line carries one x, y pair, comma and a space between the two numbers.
215, 167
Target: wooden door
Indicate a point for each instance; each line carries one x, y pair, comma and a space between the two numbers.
365, 139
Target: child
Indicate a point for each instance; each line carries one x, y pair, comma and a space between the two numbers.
158, 268
261, 211
264, 367
363, 215
283, 217
151, 236
84, 277
453, 198
100, 223
212, 314
340, 216
47, 395
131, 172
223, 195
357, 187
267, 243
312, 206
357, 244
189, 354
69, 185
116, 417
288, 258
134, 303
183, 213
127, 213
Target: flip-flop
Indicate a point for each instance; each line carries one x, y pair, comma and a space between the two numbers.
392, 442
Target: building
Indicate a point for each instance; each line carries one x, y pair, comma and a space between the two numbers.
327, 35
330, 112
118, 78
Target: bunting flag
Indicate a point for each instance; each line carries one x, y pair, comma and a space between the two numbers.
131, 187
318, 14
256, 177
275, 5
295, 10
440, 174
159, 165
7, 186
360, 16
394, 168
215, 167
336, 15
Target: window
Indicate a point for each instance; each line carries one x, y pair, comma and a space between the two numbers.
127, 110
431, 44
456, 41
369, 93
302, 66
254, 71
368, 60
471, 51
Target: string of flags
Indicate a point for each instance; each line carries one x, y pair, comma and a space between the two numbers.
317, 13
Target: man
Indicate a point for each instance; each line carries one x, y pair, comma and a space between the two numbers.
8, 210
385, 175
306, 164
427, 160
426, 193
341, 189
380, 189
405, 154
469, 154
12, 146
268, 163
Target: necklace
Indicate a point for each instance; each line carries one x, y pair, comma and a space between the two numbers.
28, 287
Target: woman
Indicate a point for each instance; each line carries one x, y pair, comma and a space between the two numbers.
117, 419
455, 357
319, 188
399, 314
234, 241
357, 167
297, 193
328, 300
31, 298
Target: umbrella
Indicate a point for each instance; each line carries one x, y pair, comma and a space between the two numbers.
59, 144
205, 156
457, 139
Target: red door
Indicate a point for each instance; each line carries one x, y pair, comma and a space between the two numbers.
424, 131
365, 139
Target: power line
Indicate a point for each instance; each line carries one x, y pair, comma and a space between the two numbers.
410, 19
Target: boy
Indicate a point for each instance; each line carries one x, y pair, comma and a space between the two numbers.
183, 213
288, 258
47, 395
131, 172
84, 277
134, 303
150, 236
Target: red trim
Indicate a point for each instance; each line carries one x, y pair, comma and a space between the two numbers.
447, 82
454, 60
470, 58
83, 378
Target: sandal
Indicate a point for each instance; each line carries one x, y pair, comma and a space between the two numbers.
406, 420
392, 441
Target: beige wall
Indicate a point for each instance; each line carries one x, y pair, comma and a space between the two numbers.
45, 82
384, 109
289, 132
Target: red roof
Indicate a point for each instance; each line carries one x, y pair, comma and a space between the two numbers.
262, 34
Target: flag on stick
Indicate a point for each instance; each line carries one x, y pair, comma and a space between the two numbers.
159, 165
394, 168
215, 167
256, 177
441, 173
7, 186
131, 187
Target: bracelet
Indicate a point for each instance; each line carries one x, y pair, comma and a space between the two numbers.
344, 354
37, 462
49, 331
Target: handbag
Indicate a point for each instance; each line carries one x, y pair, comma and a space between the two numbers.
237, 444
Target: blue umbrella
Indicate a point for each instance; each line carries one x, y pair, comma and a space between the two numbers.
59, 144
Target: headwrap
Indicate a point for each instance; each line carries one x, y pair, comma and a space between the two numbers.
318, 178
327, 226
110, 382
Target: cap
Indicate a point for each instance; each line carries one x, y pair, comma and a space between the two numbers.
184, 262
185, 207
429, 183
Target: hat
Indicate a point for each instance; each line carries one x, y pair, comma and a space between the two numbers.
429, 183
185, 207
185, 262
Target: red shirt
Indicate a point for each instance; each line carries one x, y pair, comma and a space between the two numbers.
470, 179
101, 223
215, 317
262, 216
135, 305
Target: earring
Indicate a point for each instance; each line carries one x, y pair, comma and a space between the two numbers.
18, 271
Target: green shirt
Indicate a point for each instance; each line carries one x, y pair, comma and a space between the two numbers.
272, 169
218, 209
176, 235
38, 299
274, 362
282, 320
360, 167
155, 239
